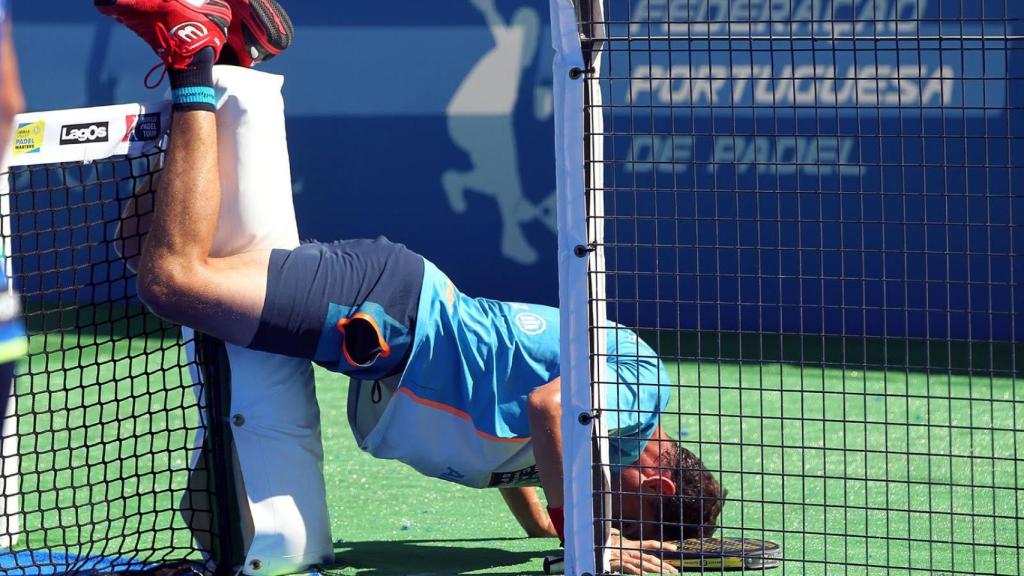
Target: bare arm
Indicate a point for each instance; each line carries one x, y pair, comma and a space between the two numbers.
544, 408
528, 510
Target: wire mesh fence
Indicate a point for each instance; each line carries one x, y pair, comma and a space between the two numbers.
811, 213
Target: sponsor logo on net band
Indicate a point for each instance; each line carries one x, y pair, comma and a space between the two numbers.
28, 139
84, 133
142, 127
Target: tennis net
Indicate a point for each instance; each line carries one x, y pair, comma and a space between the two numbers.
102, 471
811, 212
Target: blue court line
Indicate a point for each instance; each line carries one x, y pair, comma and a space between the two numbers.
46, 563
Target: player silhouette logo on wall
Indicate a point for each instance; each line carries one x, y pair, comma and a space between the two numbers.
481, 122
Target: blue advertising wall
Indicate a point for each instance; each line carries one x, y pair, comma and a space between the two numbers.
839, 167
840, 208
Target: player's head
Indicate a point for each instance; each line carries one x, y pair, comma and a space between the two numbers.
671, 497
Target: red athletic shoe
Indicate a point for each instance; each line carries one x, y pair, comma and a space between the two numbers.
260, 30
176, 29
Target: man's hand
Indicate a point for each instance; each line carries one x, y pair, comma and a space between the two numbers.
627, 556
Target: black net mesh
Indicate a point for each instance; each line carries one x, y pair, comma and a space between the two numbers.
812, 214
106, 409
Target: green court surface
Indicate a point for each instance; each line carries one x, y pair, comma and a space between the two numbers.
852, 472
857, 472
101, 424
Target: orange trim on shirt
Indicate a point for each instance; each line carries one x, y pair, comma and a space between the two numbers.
385, 350
459, 414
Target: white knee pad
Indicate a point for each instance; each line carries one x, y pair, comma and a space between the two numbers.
275, 418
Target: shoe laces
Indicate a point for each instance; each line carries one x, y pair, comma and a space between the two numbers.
164, 40
163, 73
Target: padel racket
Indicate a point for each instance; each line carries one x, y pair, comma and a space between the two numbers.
718, 554
707, 554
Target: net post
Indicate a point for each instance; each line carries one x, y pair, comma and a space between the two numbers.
593, 34
573, 258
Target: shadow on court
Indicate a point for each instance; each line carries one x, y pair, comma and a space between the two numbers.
433, 557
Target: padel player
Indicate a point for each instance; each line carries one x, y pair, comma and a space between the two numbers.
460, 388
13, 343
